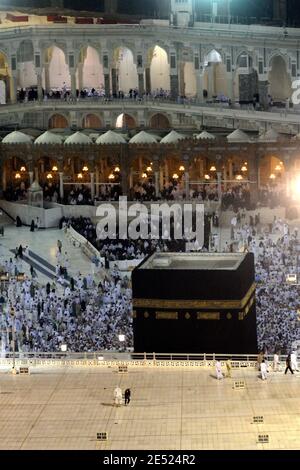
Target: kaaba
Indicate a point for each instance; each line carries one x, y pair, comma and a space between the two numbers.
195, 303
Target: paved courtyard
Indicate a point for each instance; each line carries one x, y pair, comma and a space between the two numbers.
182, 409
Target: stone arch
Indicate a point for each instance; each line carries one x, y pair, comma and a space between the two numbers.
277, 53
90, 70
159, 121
126, 121
58, 121
92, 121
26, 69
56, 70
124, 73
241, 59
215, 79
279, 79
158, 70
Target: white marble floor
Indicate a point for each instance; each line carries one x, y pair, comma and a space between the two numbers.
181, 409
43, 243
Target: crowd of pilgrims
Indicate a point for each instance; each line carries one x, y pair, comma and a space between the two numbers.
64, 93
276, 250
120, 250
90, 312
87, 316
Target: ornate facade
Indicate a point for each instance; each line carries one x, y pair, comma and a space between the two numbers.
232, 60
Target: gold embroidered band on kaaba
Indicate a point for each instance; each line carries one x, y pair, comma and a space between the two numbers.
194, 304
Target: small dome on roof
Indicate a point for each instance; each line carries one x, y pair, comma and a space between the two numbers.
48, 138
17, 137
78, 138
172, 138
238, 136
270, 136
111, 137
143, 138
205, 135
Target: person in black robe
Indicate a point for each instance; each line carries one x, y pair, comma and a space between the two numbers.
32, 226
18, 221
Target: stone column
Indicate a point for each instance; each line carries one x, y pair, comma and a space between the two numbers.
161, 178
114, 81
61, 185
47, 78
148, 80
230, 170
156, 175
199, 85
166, 172
92, 185
201, 168
263, 91
210, 81
80, 77
230, 86
107, 84
141, 83
73, 84
30, 177
181, 79
40, 86
131, 178
187, 184
13, 89
140, 167
174, 82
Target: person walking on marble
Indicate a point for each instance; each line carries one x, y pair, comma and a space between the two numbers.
219, 370
118, 396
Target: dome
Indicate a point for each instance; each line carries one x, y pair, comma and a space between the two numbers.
269, 136
205, 135
48, 138
16, 137
111, 137
143, 138
78, 138
172, 138
238, 136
